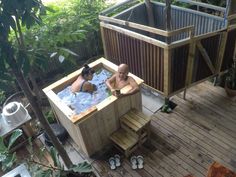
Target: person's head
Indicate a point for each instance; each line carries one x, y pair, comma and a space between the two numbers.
87, 72
123, 71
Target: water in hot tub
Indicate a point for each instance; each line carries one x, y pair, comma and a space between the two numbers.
81, 101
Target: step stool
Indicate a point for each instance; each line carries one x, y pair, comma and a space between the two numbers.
137, 124
124, 141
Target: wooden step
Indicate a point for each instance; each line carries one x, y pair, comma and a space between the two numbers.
123, 139
135, 120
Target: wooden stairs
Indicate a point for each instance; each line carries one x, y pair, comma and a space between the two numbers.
134, 131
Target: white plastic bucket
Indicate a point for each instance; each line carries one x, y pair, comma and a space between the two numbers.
14, 113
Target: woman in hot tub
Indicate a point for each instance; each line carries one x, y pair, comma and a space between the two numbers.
82, 83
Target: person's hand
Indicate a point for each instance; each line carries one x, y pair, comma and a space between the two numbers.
113, 92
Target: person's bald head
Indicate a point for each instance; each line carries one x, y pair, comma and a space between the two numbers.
123, 71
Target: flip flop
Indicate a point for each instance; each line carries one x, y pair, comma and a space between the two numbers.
133, 161
140, 161
117, 160
112, 163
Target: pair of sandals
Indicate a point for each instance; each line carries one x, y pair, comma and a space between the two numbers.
114, 162
136, 162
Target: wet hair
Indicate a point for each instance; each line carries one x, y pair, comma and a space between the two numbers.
87, 70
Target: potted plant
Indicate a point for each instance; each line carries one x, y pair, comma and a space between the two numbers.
230, 82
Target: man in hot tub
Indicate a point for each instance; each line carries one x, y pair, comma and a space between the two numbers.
120, 80
82, 83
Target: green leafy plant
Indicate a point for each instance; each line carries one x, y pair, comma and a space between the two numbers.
2, 97
166, 108
7, 159
39, 169
50, 117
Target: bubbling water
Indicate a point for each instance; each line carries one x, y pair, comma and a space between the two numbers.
81, 101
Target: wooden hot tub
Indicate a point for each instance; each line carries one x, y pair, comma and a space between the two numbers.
91, 129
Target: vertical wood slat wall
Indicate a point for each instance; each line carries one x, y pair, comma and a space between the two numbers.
171, 68
145, 60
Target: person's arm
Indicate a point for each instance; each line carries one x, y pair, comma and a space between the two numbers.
110, 82
134, 87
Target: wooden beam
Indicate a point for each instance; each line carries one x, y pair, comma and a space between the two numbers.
179, 43
180, 30
222, 46
134, 25
206, 57
209, 6
231, 17
146, 28
210, 34
231, 27
167, 72
135, 35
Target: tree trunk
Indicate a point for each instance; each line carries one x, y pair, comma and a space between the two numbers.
33, 102
151, 21
36, 90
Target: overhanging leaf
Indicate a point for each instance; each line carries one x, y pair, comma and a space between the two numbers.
9, 161
2, 157
43, 173
15, 135
3, 148
54, 155
68, 51
84, 167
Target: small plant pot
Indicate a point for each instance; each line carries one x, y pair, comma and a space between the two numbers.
230, 92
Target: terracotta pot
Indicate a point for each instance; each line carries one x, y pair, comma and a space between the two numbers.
230, 92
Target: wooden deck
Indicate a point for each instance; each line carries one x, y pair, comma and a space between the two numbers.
201, 130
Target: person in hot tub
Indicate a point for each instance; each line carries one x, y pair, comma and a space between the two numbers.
120, 80
82, 83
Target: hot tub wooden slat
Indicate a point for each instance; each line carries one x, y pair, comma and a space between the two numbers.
83, 114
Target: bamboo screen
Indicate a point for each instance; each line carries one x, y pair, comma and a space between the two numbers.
145, 60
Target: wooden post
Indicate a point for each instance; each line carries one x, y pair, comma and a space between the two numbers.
167, 72
191, 57
222, 46
103, 42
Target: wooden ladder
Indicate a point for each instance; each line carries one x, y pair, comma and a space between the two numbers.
134, 131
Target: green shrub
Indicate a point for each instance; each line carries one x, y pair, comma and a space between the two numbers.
69, 34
